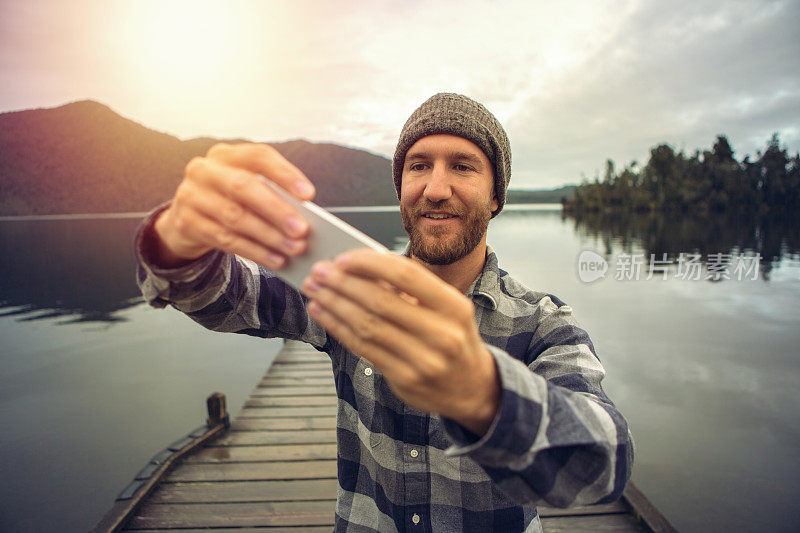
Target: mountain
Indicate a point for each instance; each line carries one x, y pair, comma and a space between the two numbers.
85, 158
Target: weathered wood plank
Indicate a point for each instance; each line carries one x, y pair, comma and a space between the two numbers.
296, 355
286, 412
302, 359
254, 471
590, 524
291, 346
246, 491
261, 514
255, 438
290, 401
304, 354
272, 452
606, 508
293, 381
301, 365
299, 529
260, 424
315, 390
291, 373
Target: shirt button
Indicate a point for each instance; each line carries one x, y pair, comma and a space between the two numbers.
414, 453
368, 371
415, 518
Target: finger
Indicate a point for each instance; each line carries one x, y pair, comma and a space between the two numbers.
391, 349
245, 188
362, 323
241, 222
404, 274
209, 231
376, 296
415, 332
387, 362
264, 159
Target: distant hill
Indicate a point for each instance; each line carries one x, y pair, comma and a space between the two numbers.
85, 158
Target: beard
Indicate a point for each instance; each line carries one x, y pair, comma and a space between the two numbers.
435, 247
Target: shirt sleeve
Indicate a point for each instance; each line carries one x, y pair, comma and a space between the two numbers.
556, 438
224, 292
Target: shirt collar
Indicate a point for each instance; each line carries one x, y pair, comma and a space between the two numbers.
486, 287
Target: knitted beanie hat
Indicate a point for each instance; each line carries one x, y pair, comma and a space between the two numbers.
462, 116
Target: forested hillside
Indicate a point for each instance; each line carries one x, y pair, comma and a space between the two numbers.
705, 181
85, 158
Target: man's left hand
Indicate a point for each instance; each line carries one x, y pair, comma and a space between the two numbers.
417, 329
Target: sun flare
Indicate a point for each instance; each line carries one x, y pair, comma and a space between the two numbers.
181, 45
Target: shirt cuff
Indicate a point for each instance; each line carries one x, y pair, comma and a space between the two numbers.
516, 425
146, 243
156, 281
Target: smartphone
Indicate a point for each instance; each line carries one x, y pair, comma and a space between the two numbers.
329, 237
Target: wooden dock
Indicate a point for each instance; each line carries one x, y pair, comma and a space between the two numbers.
274, 469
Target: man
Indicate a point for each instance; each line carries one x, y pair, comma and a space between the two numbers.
471, 398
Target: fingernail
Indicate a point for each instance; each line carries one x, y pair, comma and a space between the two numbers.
296, 225
292, 245
343, 259
321, 270
275, 260
303, 188
312, 287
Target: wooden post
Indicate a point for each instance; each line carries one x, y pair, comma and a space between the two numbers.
217, 410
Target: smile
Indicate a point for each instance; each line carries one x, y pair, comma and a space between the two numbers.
437, 216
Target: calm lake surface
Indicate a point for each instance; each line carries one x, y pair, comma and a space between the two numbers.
93, 382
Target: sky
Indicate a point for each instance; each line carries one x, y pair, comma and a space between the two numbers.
573, 83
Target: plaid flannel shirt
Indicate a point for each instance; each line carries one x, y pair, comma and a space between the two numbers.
556, 438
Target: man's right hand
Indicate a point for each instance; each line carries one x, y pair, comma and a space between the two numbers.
222, 203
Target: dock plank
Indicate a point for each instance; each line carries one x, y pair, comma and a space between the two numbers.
303, 357
269, 392
261, 514
606, 508
260, 424
300, 365
246, 491
282, 372
290, 401
288, 411
256, 438
271, 452
294, 381
301, 529
591, 524
325, 468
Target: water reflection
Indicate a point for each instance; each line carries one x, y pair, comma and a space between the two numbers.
83, 270
774, 236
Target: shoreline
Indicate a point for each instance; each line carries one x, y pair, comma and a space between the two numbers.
332, 209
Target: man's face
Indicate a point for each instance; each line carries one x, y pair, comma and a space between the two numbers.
446, 197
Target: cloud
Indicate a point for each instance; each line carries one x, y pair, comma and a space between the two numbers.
678, 72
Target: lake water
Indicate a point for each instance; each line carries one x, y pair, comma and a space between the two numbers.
93, 382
